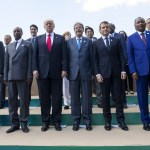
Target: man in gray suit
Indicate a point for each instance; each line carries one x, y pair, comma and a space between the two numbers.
18, 74
80, 75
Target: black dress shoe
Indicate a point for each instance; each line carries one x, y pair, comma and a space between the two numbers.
146, 127
88, 127
66, 107
75, 127
25, 129
12, 129
123, 126
45, 127
57, 127
107, 126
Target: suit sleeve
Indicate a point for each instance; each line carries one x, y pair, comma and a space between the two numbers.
95, 59
122, 58
6, 65
1, 58
124, 47
131, 62
64, 55
30, 52
35, 56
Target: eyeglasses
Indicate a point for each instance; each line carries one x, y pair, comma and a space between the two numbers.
147, 22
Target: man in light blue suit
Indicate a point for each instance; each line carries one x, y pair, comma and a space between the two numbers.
138, 47
80, 75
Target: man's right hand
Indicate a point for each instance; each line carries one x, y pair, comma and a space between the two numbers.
135, 75
99, 78
6, 82
35, 74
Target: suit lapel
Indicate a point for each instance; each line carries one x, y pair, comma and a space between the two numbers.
75, 43
54, 41
83, 42
137, 36
147, 39
103, 44
19, 48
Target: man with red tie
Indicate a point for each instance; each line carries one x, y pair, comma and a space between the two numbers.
49, 67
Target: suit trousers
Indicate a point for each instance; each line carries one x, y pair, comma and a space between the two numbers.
84, 104
142, 94
2, 91
114, 83
66, 92
50, 93
20, 87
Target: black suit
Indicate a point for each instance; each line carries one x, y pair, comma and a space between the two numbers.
50, 65
109, 62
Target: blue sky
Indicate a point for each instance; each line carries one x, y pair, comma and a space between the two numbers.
66, 12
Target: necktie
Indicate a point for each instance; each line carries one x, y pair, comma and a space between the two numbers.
79, 43
16, 44
107, 42
49, 43
33, 40
143, 38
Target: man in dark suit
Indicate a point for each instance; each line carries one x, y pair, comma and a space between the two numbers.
80, 75
2, 92
33, 31
18, 74
89, 32
49, 67
124, 47
138, 47
109, 68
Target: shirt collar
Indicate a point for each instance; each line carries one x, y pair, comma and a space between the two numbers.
141, 32
104, 37
19, 41
79, 38
52, 34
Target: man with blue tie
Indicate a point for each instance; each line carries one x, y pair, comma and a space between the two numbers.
138, 48
80, 75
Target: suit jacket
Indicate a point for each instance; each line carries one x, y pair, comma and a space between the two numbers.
107, 61
18, 63
2, 52
139, 54
50, 63
80, 60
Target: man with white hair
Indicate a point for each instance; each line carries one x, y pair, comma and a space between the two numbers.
49, 67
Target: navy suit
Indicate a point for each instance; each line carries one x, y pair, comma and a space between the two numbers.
109, 62
139, 62
50, 65
80, 75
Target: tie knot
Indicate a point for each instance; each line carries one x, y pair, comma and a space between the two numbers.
142, 33
49, 34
